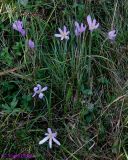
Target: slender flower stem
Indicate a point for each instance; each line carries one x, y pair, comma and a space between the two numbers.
103, 45
65, 48
89, 60
114, 15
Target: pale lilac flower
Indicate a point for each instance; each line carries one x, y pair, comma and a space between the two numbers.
51, 137
18, 26
80, 28
39, 90
63, 33
31, 44
92, 23
112, 35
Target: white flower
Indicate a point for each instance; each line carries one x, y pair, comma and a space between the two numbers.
51, 137
63, 33
38, 90
92, 23
112, 35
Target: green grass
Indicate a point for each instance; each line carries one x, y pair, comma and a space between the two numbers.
87, 97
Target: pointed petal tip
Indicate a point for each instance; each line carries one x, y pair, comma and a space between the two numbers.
50, 143
89, 20
49, 130
44, 89
43, 140
41, 95
56, 141
57, 35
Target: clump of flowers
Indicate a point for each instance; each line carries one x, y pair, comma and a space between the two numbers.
51, 137
39, 90
64, 34
79, 28
18, 26
31, 44
112, 35
92, 23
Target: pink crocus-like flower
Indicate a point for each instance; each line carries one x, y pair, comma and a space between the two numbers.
18, 26
31, 44
92, 23
79, 28
63, 33
39, 90
112, 35
51, 137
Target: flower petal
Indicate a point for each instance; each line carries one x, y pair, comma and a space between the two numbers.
44, 89
46, 134
31, 44
23, 32
17, 25
65, 29
34, 95
97, 26
83, 28
94, 22
60, 30
111, 32
62, 37
76, 32
77, 24
67, 32
67, 37
82, 25
89, 20
44, 140
39, 86
57, 35
41, 95
54, 134
35, 89
14, 26
56, 141
49, 130
50, 142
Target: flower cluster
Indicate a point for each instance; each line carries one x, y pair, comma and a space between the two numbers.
18, 26
80, 28
63, 34
38, 90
